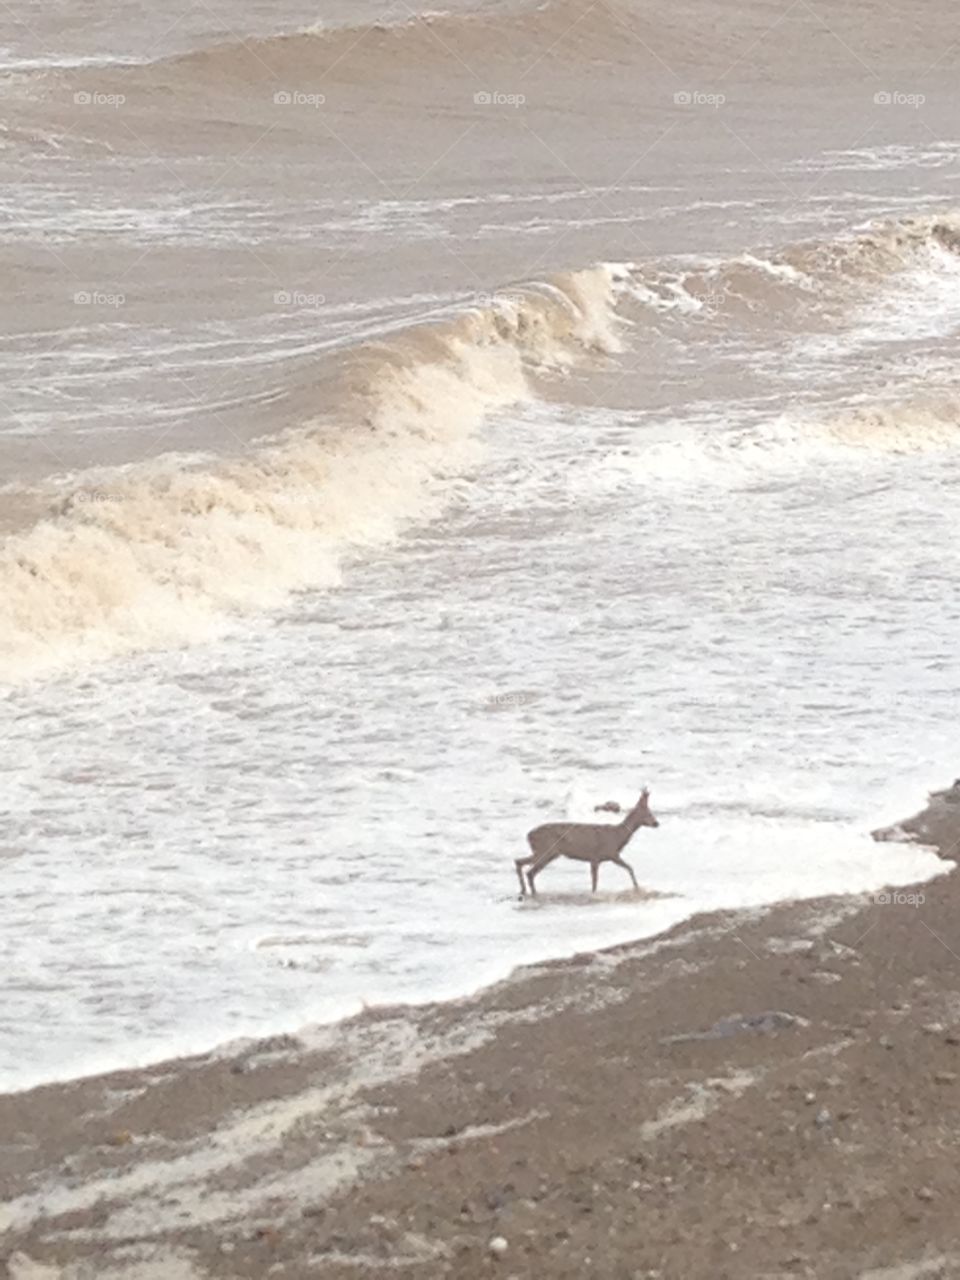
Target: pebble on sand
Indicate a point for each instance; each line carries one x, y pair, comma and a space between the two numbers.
498, 1246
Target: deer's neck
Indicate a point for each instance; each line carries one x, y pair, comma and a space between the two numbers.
630, 825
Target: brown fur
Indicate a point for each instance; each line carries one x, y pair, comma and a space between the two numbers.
592, 842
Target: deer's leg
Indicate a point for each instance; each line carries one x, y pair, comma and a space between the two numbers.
627, 867
594, 873
539, 863
520, 863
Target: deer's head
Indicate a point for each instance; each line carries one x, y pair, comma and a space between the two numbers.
642, 817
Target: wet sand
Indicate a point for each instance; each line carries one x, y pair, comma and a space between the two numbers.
768, 1093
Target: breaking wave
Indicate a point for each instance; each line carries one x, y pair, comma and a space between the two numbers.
840, 272
163, 553
723, 456
914, 426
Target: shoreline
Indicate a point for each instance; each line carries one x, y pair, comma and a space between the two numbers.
145, 1056
242, 1043
759, 1092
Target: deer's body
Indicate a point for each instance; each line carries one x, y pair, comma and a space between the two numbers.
592, 842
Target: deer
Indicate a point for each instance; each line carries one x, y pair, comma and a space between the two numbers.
592, 842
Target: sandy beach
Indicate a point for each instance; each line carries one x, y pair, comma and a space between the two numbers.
755, 1094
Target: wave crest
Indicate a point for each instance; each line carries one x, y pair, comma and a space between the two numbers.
163, 553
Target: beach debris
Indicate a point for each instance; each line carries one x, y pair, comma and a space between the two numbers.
823, 1118
945, 1077
926, 1193
740, 1024
789, 946
842, 951
122, 1138
498, 1246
